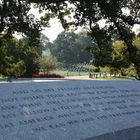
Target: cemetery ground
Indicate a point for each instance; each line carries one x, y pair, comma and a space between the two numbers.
88, 71
80, 72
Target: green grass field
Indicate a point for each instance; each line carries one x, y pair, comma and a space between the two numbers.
69, 73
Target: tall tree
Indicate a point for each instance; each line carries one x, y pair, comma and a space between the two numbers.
45, 44
63, 46
136, 43
70, 48
47, 63
17, 58
29, 54
120, 57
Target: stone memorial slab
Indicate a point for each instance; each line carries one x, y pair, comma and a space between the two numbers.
70, 110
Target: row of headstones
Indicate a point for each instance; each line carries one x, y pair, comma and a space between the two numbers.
77, 68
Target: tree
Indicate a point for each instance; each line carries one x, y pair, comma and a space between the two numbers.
69, 48
116, 59
10, 66
120, 57
63, 46
45, 45
90, 12
29, 54
102, 56
136, 44
128, 67
17, 58
82, 42
47, 63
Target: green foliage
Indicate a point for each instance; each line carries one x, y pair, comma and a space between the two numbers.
14, 16
17, 58
116, 59
120, 56
15, 69
44, 43
47, 63
70, 48
130, 71
136, 44
100, 56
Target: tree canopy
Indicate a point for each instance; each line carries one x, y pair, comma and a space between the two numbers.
15, 17
70, 48
47, 63
17, 58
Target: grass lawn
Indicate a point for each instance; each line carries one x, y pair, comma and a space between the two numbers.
69, 73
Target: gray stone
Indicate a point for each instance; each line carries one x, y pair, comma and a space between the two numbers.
70, 110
